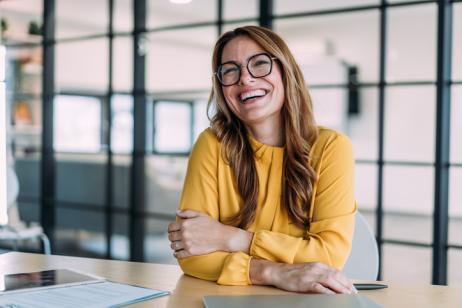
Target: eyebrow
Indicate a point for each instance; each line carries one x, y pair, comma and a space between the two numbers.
247, 60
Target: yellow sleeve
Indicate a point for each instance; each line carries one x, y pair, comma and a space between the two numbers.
331, 231
200, 193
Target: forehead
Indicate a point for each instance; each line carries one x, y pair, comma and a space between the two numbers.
240, 49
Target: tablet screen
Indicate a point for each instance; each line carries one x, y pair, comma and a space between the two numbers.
11, 282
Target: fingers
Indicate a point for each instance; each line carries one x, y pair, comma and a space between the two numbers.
182, 250
174, 226
189, 214
319, 288
181, 254
343, 280
329, 278
347, 283
335, 285
174, 236
177, 245
336, 280
183, 234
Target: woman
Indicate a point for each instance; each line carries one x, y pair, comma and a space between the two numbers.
268, 195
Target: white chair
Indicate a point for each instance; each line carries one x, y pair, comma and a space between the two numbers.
16, 231
363, 262
16, 235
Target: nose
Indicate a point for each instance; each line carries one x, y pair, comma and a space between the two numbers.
246, 78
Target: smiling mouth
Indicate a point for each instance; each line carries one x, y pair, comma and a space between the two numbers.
249, 96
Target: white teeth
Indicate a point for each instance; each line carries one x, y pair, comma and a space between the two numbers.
253, 93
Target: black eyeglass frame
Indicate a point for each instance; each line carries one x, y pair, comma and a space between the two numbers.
247, 66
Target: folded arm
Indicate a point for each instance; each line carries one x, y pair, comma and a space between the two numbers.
200, 194
329, 237
226, 256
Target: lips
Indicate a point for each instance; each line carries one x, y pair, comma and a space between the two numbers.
248, 95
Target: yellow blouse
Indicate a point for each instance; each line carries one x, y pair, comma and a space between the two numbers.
209, 187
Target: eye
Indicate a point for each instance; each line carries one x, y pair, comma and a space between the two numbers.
261, 62
229, 70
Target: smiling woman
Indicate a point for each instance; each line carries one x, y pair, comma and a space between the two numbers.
268, 196
255, 94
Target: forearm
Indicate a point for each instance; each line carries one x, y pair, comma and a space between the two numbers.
222, 267
206, 267
328, 241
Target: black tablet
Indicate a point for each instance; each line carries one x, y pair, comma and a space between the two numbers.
44, 279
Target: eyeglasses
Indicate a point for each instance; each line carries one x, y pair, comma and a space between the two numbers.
258, 66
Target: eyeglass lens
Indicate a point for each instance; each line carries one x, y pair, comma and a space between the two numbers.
258, 66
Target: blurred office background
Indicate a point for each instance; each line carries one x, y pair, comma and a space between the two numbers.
108, 96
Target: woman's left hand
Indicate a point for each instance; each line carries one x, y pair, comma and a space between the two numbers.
197, 233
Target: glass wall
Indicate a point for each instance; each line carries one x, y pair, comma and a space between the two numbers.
371, 71
394, 53
455, 194
20, 33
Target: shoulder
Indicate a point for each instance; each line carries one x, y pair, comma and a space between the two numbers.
206, 145
329, 136
206, 139
331, 144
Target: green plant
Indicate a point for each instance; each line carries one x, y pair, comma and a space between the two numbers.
34, 28
3, 25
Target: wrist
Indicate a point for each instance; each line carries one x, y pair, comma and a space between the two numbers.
263, 272
239, 240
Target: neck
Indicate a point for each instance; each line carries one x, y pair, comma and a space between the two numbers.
268, 132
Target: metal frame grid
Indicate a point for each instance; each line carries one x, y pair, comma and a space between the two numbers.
137, 213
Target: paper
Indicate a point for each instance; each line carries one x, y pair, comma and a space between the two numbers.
99, 294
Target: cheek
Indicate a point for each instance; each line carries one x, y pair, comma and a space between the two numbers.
279, 91
278, 86
227, 95
229, 99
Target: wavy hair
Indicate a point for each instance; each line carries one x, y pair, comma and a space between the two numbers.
299, 133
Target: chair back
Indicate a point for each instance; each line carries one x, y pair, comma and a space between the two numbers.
363, 262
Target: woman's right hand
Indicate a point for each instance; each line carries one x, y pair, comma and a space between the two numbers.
313, 277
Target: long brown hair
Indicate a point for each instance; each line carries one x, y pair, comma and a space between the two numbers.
299, 133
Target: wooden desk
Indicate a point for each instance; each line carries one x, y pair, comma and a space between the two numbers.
188, 291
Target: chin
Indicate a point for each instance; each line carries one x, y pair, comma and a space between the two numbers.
259, 116
249, 120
